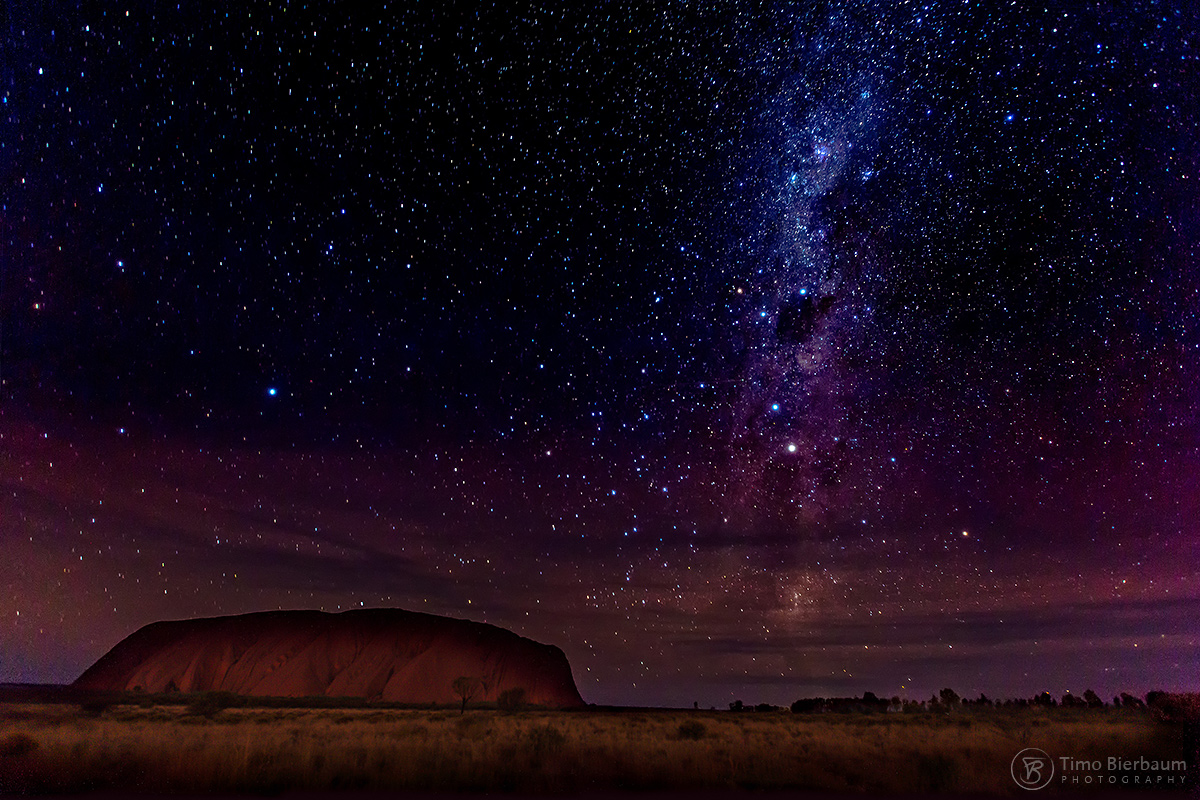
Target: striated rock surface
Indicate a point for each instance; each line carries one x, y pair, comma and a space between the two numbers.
384, 654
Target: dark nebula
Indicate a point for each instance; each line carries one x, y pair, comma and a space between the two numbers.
744, 351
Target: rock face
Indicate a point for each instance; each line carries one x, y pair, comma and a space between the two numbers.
384, 654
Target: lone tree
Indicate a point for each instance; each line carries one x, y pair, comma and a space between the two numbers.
466, 688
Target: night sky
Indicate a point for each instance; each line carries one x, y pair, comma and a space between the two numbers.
743, 350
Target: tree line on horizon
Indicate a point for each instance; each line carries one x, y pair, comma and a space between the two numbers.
948, 699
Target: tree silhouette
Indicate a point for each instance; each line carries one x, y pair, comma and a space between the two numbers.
1092, 699
466, 688
1045, 699
1129, 701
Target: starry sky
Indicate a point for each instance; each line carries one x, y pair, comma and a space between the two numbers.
743, 350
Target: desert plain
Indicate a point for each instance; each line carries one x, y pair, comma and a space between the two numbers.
221, 744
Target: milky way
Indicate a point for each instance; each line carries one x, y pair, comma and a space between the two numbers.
744, 351
810, 279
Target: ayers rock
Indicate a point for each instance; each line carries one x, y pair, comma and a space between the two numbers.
383, 654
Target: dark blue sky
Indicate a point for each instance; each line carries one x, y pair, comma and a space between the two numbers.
740, 350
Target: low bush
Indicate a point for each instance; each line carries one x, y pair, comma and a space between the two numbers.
209, 704
544, 741
17, 744
511, 700
95, 706
1176, 707
936, 772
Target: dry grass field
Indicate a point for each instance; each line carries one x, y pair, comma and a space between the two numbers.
61, 747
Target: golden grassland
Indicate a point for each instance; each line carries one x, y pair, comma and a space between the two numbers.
47, 747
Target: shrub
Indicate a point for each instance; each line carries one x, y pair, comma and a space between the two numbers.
209, 704
16, 745
511, 700
692, 730
95, 706
936, 772
1176, 707
1129, 701
474, 728
545, 740
807, 705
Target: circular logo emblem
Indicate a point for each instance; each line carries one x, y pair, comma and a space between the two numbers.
1032, 768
